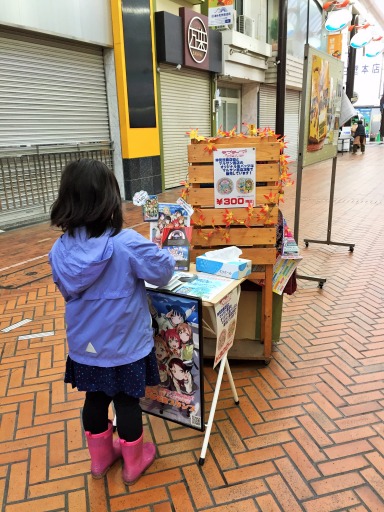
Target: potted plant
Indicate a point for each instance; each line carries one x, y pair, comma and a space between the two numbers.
273, 33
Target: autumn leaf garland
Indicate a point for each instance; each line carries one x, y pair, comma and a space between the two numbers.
255, 215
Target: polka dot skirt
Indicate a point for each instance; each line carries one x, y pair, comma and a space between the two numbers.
129, 378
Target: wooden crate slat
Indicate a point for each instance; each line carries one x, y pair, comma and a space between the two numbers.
204, 173
266, 152
238, 236
258, 255
209, 216
205, 196
250, 141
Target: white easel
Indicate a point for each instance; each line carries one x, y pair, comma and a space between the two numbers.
223, 364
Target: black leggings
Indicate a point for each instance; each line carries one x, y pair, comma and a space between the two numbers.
128, 414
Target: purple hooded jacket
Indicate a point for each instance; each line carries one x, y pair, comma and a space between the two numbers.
102, 282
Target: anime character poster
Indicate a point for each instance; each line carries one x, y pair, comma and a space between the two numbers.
235, 177
177, 241
151, 209
177, 331
320, 97
171, 215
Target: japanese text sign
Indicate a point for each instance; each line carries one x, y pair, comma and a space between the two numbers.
235, 177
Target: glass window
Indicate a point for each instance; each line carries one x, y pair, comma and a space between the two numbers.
239, 7
229, 92
273, 22
296, 25
229, 112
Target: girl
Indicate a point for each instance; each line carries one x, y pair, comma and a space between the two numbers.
173, 341
162, 356
181, 376
100, 270
186, 337
175, 316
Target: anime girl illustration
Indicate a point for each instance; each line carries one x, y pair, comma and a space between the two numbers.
173, 342
178, 215
162, 356
184, 331
181, 377
175, 316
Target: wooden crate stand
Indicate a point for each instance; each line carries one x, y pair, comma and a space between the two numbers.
258, 239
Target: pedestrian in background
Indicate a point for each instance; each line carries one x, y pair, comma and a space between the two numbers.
100, 270
359, 137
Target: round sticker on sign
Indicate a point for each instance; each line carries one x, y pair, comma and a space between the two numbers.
225, 186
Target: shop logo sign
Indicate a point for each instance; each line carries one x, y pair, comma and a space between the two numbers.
197, 40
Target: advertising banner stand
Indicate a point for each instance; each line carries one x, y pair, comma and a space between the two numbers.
319, 126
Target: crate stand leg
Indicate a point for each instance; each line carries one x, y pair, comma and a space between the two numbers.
223, 364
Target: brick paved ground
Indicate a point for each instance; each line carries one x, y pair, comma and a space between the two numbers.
308, 435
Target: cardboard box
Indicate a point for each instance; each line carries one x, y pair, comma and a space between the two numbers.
235, 269
249, 317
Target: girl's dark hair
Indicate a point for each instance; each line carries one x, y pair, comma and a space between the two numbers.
178, 362
89, 196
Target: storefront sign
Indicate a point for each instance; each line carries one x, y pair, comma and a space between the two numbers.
196, 40
235, 177
220, 13
335, 45
190, 43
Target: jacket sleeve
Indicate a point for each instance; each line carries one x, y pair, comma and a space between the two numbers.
154, 265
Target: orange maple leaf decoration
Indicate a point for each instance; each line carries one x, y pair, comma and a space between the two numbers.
228, 218
222, 133
185, 191
210, 147
209, 234
270, 197
232, 133
227, 237
251, 129
194, 135
200, 219
224, 234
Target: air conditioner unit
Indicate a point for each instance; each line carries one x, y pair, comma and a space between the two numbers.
246, 25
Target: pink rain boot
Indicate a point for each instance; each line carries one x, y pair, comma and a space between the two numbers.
138, 456
104, 451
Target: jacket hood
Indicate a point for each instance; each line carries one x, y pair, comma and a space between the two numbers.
78, 261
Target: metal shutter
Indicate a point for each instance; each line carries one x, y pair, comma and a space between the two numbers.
185, 104
291, 116
292, 122
267, 113
51, 92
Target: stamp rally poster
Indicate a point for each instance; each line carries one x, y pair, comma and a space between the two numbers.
235, 177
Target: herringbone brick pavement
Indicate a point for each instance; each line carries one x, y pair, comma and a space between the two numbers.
308, 434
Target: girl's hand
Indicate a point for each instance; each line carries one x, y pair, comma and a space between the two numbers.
188, 382
177, 386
